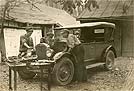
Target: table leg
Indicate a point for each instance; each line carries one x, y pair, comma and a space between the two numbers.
15, 79
10, 79
49, 79
41, 79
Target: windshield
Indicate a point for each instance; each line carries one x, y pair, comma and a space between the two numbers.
58, 33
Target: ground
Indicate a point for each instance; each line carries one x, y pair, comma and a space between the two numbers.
119, 79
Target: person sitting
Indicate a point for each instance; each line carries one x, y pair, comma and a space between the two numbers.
72, 40
49, 39
26, 42
44, 41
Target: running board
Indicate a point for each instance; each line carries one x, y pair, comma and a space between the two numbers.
94, 65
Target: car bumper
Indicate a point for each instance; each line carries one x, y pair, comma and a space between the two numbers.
46, 61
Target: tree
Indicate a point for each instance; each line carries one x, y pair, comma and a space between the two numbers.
89, 3
71, 5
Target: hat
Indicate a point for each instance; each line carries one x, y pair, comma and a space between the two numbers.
65, 31
29, 29
50, 33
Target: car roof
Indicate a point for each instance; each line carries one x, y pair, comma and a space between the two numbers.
93, 24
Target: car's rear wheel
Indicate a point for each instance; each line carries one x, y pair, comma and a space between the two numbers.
24, 73
109, 60
63, 71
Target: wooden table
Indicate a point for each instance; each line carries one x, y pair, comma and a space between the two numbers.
13, 67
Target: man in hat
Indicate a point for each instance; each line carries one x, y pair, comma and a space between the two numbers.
49, 39
72, 40
26, 42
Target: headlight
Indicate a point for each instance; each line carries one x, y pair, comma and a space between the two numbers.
49, 52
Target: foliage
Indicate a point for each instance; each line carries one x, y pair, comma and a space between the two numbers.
91, 2
69, 6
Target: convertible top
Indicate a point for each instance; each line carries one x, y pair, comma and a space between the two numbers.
93, 24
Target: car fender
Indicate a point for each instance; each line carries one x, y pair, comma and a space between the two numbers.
107, 49
59, 55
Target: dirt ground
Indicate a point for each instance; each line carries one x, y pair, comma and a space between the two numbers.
98, 79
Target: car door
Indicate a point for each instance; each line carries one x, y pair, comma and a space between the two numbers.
89, 49
100, 41
99, 49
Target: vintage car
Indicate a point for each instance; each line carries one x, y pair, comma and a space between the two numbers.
98, 42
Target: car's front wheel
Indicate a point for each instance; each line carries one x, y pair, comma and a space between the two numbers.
109, 60
63, 71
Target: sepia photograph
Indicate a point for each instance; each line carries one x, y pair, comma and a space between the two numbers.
66, 45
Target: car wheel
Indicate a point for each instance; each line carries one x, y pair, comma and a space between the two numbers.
109, 60
24, 73
63, 71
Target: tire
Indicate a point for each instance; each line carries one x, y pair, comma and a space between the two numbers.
109, 60
24, 73
63, 71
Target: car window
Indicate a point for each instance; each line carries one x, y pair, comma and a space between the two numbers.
97, 31
99, 34
87, 35
103, 34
